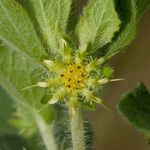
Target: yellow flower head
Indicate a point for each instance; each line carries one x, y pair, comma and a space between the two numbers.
75, 77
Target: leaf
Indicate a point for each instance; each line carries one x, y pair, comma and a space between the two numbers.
8, 134
127, 13
141, 6
17, 142
135, 106
6, 110
98, 24
21, 72
18, 70
45, 130
17, 31
12, 142
29, 9
52, 17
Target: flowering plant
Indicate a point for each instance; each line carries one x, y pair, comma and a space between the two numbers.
50, 55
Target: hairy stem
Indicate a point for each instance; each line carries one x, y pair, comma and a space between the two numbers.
77, 129
46, 132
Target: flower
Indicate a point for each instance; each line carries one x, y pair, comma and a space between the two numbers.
75, 77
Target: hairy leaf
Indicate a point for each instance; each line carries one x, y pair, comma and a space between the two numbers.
44, 129
52, 16
17, 31
127, 12
18, 70
98, 23
141, 6
9, 135
135, 106
6, 110
12, 142
17, 142
21, 72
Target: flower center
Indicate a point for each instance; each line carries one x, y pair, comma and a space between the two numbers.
73, 77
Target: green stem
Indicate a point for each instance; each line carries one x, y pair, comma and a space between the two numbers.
46, 132
77, 129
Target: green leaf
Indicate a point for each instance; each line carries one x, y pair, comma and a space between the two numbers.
12, 142
135, 106
127, 13
141, 6
52, 17
18, 71
44, 129
17, 142
17, 31
29, 9
21, 72
98, 24
6, 110
8, 134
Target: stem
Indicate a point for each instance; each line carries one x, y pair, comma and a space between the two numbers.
77, 129
46, 133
